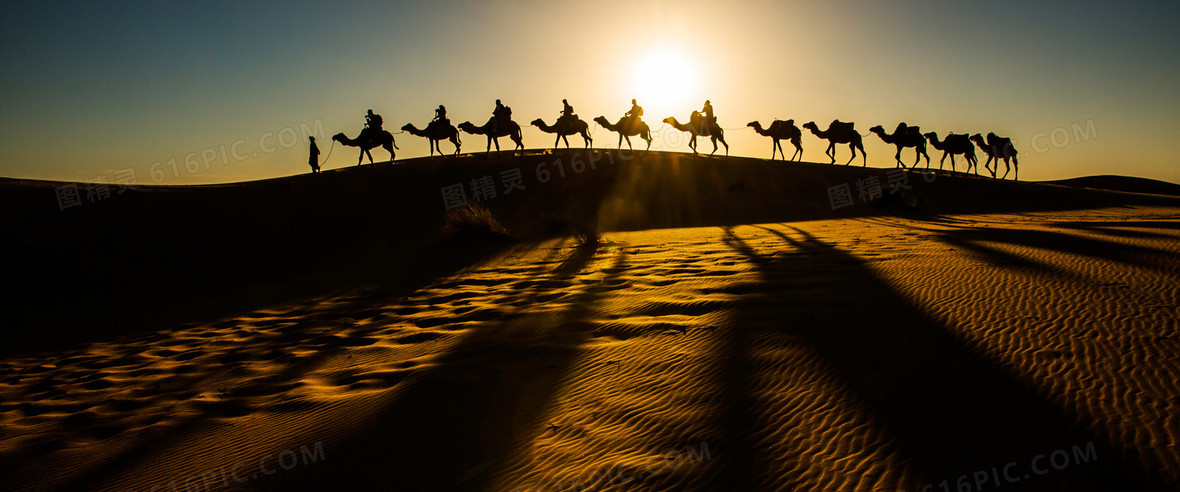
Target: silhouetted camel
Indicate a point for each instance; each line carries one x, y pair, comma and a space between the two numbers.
564, 127
997, 148
368, 141
626, 128
905, 136
714, 132
509, 129
839, 132
781, 130
435, 133
955, 143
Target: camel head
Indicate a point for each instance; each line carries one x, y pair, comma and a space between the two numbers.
755, 125
601, 120
339, 137
879, 130
407, 127
467, 127
671, 120
537, 122
977, 138
810, 125
932, 136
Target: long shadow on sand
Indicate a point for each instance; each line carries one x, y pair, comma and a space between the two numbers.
468, 415
944, 408
315, 330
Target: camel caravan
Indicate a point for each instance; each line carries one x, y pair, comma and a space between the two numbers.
699, 124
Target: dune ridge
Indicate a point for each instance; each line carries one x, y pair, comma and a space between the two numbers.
891, 349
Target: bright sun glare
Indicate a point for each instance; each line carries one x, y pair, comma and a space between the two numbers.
666, 81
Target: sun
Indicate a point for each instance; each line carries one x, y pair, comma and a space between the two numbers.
666, 82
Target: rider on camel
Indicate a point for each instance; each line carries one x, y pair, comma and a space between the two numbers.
372, 122
634, 113
440, 116
500, 115
567, 111
709, 120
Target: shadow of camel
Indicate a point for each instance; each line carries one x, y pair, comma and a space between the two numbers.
455, 424
268, 344
944, 408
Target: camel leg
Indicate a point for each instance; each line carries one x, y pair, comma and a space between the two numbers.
774, 149
628, 138
360, 158
897, 157
851, 147
370, 156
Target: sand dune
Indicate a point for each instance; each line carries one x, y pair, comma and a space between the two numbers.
1028, 342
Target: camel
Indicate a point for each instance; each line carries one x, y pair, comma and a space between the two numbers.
905, 136
694, 128
626, 128
563, 127
781, 130
839, 132
955, 143
997, 148
510, 129
368, 141
435, 134
988, 151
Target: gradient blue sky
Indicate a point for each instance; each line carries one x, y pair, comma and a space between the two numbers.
91, 88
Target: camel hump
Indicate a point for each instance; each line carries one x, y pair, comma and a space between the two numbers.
840, 125
914, 131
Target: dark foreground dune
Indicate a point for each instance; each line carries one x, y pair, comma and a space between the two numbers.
730, 330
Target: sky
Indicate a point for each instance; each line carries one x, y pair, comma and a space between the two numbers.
213, 92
